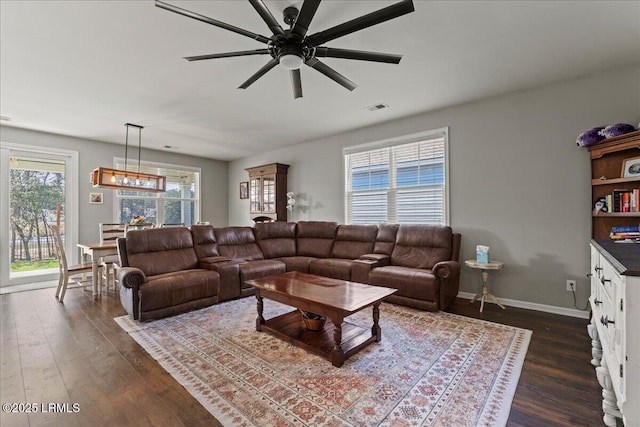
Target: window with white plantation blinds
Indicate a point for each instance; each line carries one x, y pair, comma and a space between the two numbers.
401, 181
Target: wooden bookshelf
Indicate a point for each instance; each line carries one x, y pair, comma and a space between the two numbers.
607, 157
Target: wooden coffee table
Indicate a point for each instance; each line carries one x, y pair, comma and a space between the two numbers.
332, 298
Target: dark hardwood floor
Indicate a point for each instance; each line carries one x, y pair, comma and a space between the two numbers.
76, 353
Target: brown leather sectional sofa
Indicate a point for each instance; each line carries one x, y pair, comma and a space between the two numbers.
166, 271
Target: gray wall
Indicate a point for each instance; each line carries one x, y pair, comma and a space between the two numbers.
518, 182
213, 180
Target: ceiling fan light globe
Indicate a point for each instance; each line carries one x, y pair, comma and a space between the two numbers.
291, 62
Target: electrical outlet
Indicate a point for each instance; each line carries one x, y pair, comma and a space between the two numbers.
571, 285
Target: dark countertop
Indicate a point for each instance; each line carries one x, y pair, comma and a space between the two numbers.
625, 257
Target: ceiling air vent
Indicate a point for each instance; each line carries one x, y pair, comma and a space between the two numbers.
377, 107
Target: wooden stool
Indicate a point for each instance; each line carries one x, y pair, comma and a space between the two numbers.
484, 294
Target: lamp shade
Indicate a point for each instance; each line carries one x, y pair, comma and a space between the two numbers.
291, 62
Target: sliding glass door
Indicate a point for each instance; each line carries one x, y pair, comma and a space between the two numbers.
35, 193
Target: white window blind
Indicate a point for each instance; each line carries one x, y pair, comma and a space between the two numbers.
401, 181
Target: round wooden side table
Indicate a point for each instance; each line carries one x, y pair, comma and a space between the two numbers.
484, 294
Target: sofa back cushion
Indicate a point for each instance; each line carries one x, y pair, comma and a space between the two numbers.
353, 241
161, 250
204, 241
238, 243
276, 239
422, 246
315, 238
386, 239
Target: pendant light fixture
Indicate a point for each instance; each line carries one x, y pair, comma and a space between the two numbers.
125, 179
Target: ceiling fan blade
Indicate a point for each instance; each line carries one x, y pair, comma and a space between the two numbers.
228, 54
308, 10
296, 83
267, 17
365, 21
331, 73
261, 72
214, 22
332, 52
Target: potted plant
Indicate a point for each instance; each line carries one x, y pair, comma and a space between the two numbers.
313, 321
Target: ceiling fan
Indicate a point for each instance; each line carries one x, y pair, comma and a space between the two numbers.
293, 47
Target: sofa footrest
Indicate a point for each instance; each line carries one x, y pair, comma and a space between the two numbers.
165, 291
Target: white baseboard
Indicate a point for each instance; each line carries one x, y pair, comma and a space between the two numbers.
534, 306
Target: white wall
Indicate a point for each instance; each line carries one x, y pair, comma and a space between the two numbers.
518, 181
92, 154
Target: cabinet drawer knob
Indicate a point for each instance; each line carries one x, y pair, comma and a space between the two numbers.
596, 269
597, 302
603, 280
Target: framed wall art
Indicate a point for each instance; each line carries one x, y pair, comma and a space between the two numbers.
95, 198
244, 190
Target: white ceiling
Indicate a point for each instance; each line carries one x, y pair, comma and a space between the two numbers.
84, 68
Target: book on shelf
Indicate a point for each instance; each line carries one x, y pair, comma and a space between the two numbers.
625, 233
626, 229
624, 200
630, 235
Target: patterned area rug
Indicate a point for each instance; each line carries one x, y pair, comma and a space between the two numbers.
430, 369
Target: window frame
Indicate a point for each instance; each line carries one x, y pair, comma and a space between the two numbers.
158, 196
396, 141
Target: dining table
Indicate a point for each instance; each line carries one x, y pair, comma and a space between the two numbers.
97, 251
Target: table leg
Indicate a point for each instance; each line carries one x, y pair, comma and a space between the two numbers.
260, 319
485, 292
337, 354
494, 299
375, 329
476, 297
94, 276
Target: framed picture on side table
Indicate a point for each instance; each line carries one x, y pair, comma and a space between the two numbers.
244, 190
631, 168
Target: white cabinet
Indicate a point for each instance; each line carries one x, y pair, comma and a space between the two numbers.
615, 329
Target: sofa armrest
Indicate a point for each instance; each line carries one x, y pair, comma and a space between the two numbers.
361, 267
209, 261
448, 273
131, 277
380, 260
229, 272
446, 269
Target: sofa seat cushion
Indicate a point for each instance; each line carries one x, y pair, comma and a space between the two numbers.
297, 263
410, 282
169, 289
335, 268
258, 269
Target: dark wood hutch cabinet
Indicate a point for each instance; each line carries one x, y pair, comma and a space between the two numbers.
607, 157
268, 192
